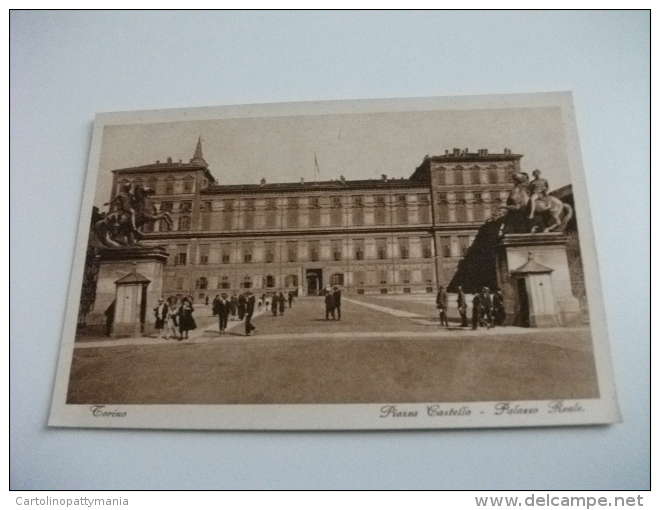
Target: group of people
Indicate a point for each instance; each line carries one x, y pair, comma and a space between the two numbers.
332, 303
174, 318
241, 307
487, 308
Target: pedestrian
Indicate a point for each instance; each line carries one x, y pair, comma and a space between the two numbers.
329, 305
486, 303
241, 306
207, 301
336, 294
499, 313
441, 304
476, 311
186, 319
290, 298
160, 312
172, 318
281, 300
462, 306
214, 305
233, 305
274, 304
222, 309
249, 311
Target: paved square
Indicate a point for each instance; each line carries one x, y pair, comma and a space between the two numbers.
371, 355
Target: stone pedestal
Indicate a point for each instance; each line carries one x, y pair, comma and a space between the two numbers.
532, 271
114, 265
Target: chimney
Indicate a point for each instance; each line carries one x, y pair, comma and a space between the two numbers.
158, 161
262, 182
302, 180
466, 151
383, 177
446, 152
169, 160
342, 179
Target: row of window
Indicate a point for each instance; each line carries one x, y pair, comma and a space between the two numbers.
382, 276
473, 175
167, 186
294, 251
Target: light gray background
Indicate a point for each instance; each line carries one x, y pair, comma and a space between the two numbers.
65, 66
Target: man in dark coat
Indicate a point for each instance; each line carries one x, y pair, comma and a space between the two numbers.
336, 294
249, 311
281, 300
241, 306
290, 298
221, 309
499, 313
274, 304
214, 305
486, 308
441, 304
233, 304
462, 306
329, 305
476, 311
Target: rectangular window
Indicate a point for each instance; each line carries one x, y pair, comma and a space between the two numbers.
181, 255
292, 251
292, 212
185, 207
427, 247
359, 278
336, 212
204, 254
269, 252
314, 212
382, 276
381, 248
336, 249
357, 211
445, 243
314, 249
247, 248
423, 208
358, 249
225, 251
404, 274
404, 250
379, 210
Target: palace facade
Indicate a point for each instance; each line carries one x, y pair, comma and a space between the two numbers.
370, 236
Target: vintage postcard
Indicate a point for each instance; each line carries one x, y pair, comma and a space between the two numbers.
378, 264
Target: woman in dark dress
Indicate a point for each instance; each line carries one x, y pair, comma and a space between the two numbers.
186, 319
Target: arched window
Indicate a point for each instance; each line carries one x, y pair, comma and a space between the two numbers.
269, 281
201, 283
184, 223
247, 282
164, 226
291, 280
337, 279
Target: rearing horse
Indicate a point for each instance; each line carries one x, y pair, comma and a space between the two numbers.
551, 207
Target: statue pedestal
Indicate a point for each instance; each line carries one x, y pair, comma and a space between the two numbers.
533, 273
129, 284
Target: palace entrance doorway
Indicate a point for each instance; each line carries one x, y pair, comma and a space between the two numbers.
314, 281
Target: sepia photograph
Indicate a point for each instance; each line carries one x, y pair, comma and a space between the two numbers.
354, 264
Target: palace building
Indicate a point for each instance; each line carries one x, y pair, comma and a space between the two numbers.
369, 236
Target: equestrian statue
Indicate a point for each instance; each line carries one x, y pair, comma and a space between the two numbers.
130, 210
530, 208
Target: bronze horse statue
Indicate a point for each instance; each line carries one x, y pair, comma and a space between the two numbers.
115, 229
549, 211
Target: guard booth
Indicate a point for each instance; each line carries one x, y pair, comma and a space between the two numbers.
130, 305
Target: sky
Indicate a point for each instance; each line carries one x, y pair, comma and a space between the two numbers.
358, 146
